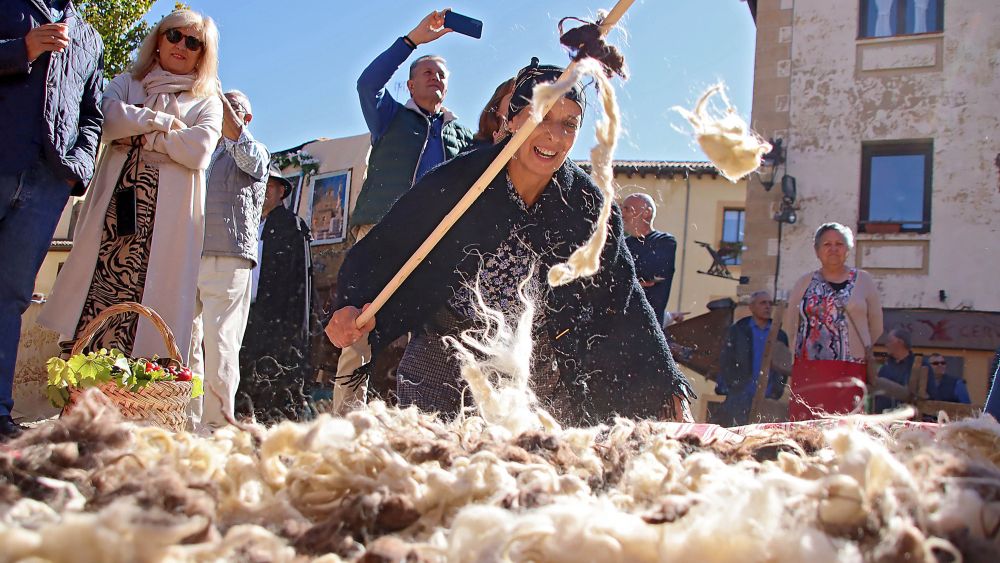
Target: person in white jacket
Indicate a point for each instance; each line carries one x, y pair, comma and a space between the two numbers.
142, 227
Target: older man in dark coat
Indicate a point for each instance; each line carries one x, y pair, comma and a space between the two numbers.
741, 359
274, 360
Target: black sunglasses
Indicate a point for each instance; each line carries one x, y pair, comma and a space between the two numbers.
939, 363
192, 43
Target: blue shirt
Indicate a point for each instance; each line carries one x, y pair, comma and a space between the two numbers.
379, 107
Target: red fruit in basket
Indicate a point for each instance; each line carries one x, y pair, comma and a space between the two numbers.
184, 375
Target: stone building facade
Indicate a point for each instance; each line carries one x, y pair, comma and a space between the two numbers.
890, 119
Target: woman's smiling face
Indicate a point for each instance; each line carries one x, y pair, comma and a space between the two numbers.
549, 144
176, 58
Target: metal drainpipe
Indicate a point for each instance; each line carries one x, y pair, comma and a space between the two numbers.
684, 247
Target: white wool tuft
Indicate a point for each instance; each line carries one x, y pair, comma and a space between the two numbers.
726, 140
496, 363
471, 490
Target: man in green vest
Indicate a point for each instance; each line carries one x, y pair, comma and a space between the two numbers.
407, 141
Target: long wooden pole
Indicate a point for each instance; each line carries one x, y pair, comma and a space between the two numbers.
477, 188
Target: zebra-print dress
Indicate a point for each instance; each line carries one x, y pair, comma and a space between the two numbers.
122, 261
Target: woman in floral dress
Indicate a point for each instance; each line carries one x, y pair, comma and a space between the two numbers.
834, 314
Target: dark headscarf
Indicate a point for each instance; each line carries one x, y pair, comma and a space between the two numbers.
534, 74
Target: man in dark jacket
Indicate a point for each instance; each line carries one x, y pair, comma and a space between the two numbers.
407, 141
742, 355
654, 252
274, 358
51, 80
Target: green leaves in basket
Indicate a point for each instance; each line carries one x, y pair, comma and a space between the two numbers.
82, 371
57, 396
59, 372
97, 368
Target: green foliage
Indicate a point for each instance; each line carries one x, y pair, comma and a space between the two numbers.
104, 366
305, 162
120, 24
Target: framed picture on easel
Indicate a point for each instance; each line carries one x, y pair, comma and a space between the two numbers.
329, 197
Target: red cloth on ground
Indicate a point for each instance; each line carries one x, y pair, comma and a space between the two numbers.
825, 387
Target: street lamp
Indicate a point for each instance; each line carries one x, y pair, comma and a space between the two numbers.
786, 213
769, 164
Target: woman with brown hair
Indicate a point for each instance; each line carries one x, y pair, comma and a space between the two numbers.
142, 227
493, 119
834, 316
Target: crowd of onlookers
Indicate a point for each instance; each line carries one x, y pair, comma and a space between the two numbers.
184, 214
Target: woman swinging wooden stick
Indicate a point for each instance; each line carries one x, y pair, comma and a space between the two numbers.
599, 349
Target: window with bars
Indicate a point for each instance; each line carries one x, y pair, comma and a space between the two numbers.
886, 18
731, 245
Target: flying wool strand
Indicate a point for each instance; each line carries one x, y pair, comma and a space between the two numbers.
586, 260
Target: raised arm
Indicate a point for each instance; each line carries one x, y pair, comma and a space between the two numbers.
250, 155
377, 105
122, 119
193, 146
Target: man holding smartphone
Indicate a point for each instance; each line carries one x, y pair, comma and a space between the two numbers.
51, 81
407, 141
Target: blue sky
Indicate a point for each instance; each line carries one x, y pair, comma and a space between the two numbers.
298, 61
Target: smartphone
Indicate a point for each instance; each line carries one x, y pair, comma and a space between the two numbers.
463, 24
125, 212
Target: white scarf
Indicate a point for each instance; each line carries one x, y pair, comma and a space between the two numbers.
161, 89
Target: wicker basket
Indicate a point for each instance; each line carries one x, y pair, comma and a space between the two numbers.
162, 403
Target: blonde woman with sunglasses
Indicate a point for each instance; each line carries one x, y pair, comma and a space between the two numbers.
141, 231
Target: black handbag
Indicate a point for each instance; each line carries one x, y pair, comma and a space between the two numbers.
126, 218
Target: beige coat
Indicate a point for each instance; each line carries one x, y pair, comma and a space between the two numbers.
178, 232
864, 308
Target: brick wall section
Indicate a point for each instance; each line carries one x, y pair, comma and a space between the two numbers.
770, 118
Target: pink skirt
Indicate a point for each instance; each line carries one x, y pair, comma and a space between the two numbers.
825, 387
